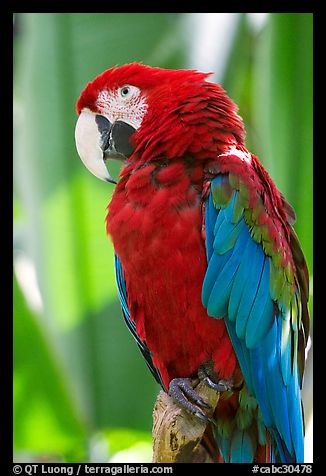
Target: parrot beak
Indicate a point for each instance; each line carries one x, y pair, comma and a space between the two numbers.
97, 140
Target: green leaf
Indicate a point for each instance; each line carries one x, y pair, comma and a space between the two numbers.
45, 415
282, 115
123, 438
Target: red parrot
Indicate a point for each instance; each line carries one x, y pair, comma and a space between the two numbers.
212, 280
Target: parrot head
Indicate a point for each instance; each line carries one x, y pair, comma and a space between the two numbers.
139, 113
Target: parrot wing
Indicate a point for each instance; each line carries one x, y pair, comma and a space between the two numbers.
122, 292
257, 280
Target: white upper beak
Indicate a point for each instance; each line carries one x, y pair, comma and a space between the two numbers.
87, 137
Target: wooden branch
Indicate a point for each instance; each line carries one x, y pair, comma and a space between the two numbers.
176, 433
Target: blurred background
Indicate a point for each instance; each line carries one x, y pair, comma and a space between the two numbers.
82, 392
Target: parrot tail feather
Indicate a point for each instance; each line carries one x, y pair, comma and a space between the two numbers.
239, 433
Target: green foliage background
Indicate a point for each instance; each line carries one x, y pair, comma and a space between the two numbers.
81, 389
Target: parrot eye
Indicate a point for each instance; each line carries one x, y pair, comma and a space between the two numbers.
127, 91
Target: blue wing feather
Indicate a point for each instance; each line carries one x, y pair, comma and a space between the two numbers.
276, 390
261, 314
251, 287
227, 234
211, 217
255, 358
237, 287
219, 298
295, 415
242, 354
216, 264
240, 280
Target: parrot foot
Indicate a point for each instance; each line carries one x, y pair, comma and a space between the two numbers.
207, 375
183, 393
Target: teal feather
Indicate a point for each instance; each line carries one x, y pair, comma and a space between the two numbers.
224, 444
242, 355
276, 390
219, 221
280, 449
210, 220
261, 315
215, 265
218, 300
240, 280
256, 357
227, 235
295, 414
242, 447
250, 291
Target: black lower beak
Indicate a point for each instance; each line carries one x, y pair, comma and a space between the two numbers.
121, 133
104, 128
115, 138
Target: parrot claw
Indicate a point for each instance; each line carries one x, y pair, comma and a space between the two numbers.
220, 386
183, 393
207, 375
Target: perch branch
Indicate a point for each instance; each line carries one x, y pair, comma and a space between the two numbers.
177, 434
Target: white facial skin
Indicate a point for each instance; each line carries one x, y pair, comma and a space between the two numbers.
125, 104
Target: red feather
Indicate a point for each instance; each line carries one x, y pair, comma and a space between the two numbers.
156, 232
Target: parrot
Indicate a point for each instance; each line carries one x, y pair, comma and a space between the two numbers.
211, 276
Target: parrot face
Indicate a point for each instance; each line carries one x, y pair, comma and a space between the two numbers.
106, 135
125, 113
